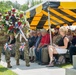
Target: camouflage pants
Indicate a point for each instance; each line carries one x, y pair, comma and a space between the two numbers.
17, 52
13, 50
7, 55
0, 52
26, 55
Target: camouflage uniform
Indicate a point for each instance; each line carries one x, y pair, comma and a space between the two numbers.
7, 58
26, 49
7, 55
56, 39
17, 53
26, 54
2, 41
0, 52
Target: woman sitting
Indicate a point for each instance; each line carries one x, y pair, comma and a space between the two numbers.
61, 48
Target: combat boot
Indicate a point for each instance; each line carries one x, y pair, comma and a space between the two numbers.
8, 65
27, 64
17, 62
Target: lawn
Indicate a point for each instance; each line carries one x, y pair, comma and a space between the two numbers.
64, 65
5, 71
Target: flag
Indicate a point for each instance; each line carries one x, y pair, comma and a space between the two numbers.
7, 46
22, 46
22, 34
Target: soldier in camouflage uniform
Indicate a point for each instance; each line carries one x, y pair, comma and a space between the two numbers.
2, 41
1, 45
17, 53
26, 54
7, 51
26, 49
0, 37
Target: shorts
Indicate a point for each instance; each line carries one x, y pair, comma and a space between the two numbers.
61, 50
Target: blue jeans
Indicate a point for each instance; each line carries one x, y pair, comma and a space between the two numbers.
38, 54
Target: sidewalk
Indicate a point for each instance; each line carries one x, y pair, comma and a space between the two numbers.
34, 69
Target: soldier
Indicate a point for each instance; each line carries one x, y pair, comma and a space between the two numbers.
26, 55
2, 41
0, 31
0, 44
26, 48
8, 47
23, 31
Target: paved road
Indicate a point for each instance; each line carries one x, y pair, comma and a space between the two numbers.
34, 69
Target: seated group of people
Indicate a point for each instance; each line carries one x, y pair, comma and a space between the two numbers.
60, 47
40, 39
73, 46
71, 36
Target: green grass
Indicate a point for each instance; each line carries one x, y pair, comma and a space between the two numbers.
5, 71
64, 65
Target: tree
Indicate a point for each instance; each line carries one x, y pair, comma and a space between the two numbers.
4, 6
7, 5
24, 7
35, 2
16, 5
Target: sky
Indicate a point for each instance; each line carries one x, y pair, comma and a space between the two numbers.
24, 1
